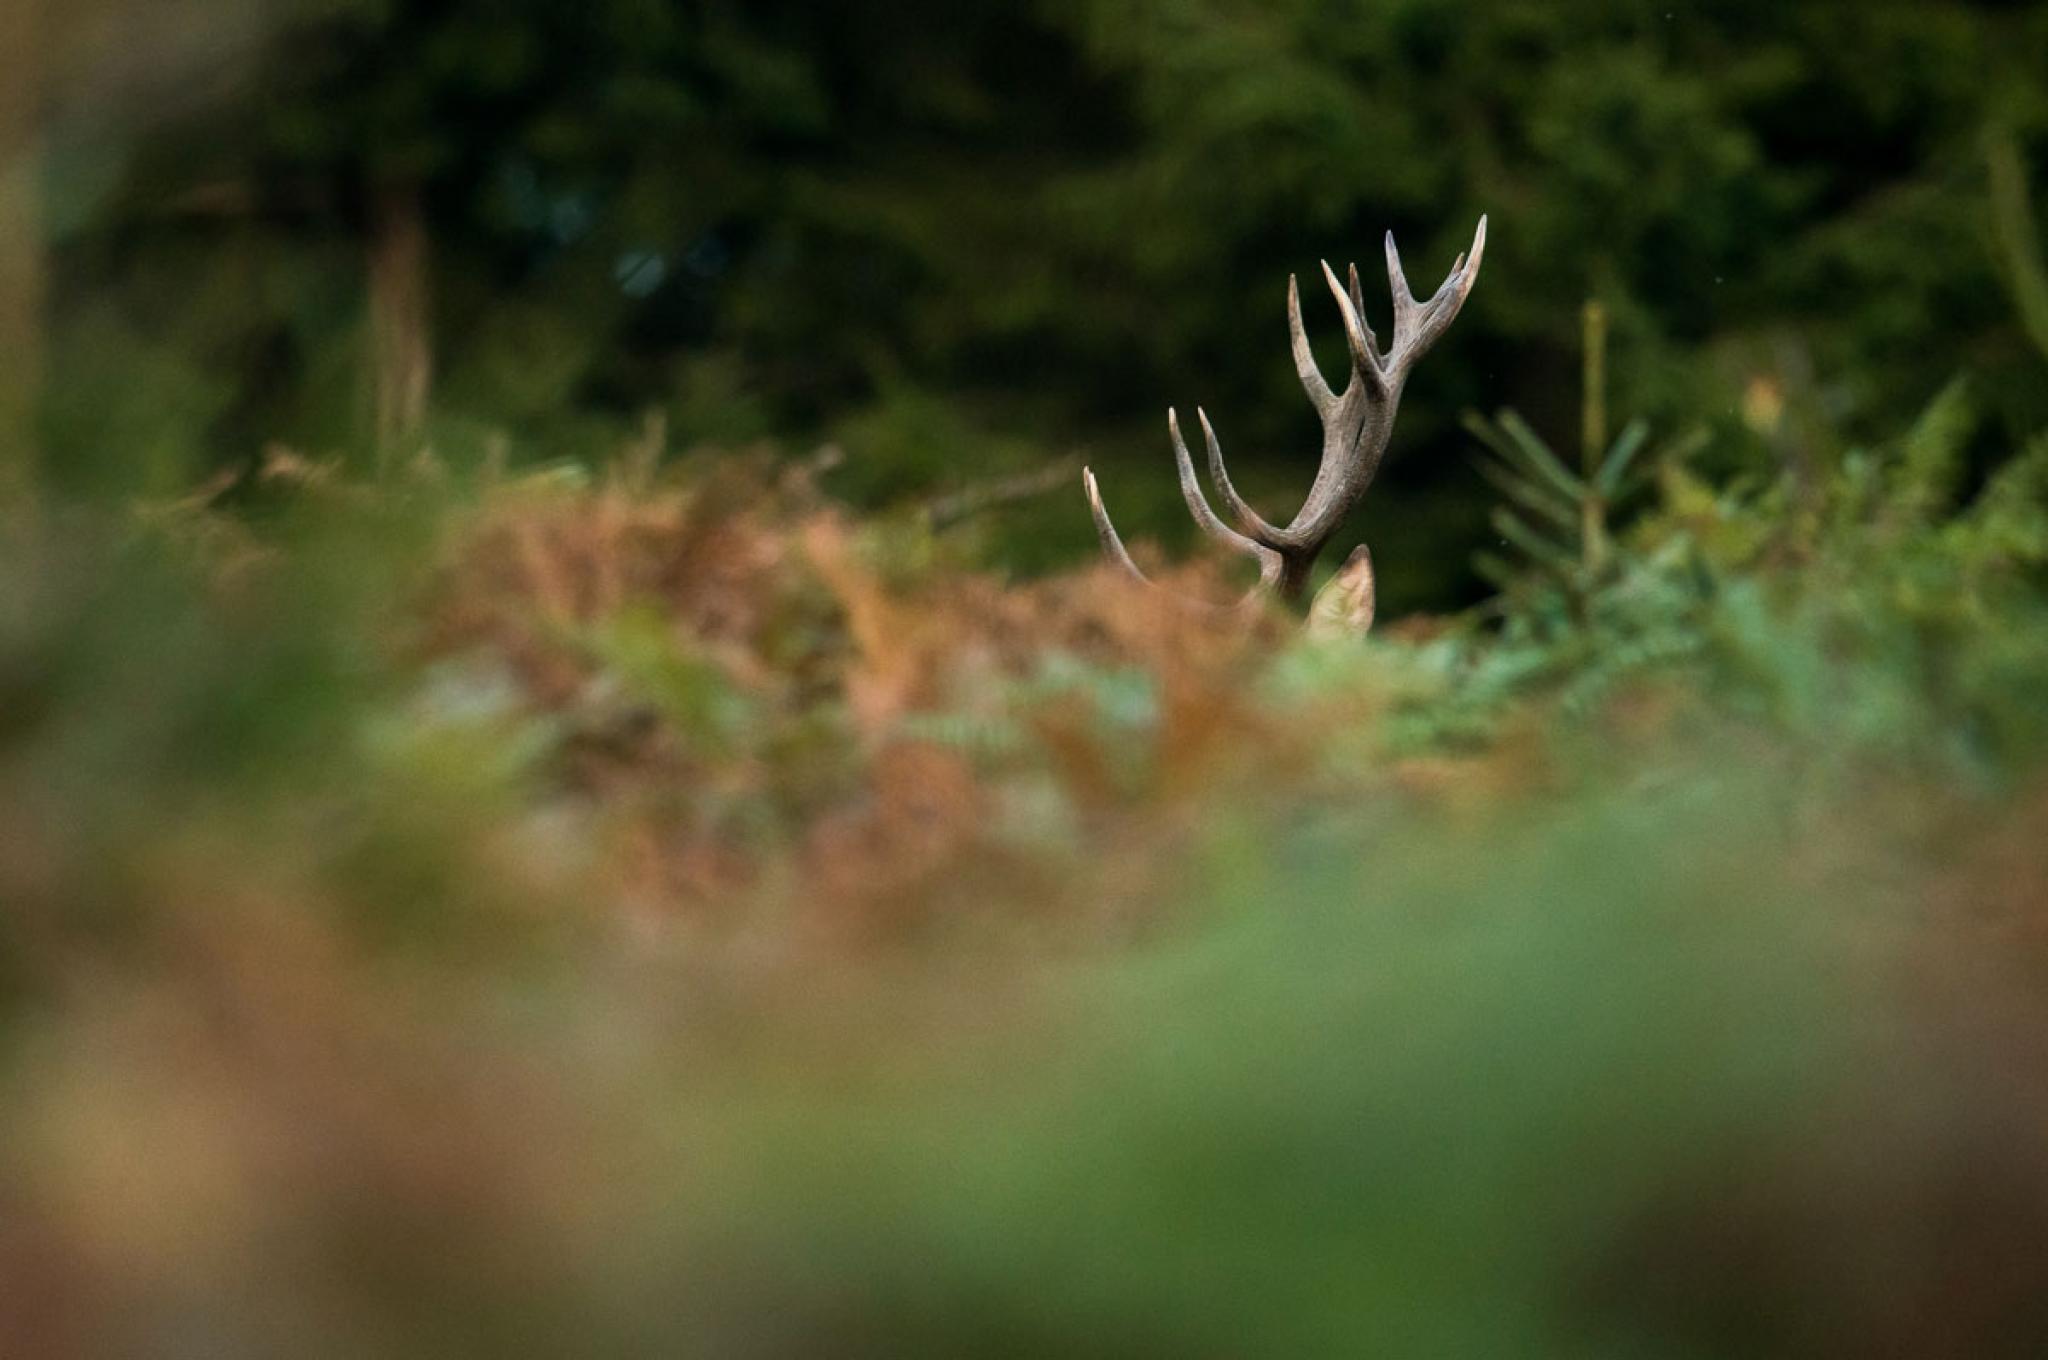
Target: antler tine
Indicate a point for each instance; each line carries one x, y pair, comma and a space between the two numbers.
1417, 325
1312, 380
1372, 342
1249, 519
1457, 284
1364, 353
1406, 308
1112, 546
1198, 504
1270, 562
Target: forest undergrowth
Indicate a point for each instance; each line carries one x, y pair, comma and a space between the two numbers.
665, 910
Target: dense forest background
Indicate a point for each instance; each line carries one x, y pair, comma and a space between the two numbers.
963, 240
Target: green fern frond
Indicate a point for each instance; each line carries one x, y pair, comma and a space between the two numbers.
1931, 454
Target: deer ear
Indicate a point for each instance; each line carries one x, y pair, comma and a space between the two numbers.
1344, 606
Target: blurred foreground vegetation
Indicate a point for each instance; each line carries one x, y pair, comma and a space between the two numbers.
667, 913
483, 873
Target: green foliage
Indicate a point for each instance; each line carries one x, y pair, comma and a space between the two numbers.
1037, 225
639, 652
1573, 508
1558, 519
1871, 612
693, 924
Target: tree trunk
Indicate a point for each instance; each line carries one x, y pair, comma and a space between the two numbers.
401, 322
21, 244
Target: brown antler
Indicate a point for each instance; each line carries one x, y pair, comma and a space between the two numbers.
1356, 427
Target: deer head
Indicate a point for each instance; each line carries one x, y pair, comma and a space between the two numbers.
1356, 426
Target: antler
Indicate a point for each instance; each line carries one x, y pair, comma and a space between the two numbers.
1356, 426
